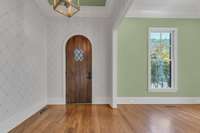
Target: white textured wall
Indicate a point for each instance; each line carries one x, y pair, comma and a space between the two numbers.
32, 58
22, 61
100, 34
99, 31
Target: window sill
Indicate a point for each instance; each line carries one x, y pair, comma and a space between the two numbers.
163, 90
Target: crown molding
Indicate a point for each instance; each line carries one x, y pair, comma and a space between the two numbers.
161, 14
164, 9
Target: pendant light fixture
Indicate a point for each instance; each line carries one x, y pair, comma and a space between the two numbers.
66, 7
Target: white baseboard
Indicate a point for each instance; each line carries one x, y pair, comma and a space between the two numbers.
158, 100
95, 100
101, 100
17, 119
56, 101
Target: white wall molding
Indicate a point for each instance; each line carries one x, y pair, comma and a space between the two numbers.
18, 118
102, 100
114, 67
167, 9
158, 100
55, 101
162, 14
95, 100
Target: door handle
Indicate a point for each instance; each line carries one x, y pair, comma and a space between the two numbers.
89, 76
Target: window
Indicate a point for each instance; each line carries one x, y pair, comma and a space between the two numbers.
162, 60
78, 54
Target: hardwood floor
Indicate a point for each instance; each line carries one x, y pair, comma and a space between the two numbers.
125, 119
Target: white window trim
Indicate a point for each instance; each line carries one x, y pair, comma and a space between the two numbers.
174, 64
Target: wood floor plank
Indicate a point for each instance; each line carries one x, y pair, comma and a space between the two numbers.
85, 118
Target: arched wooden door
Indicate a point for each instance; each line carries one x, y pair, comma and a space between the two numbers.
78, 70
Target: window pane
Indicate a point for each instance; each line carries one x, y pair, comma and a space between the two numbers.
160, 55
78, 54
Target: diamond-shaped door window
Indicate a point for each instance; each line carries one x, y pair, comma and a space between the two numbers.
78, 54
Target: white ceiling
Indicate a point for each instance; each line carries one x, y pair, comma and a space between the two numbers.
139, 8
165, 8
86, 11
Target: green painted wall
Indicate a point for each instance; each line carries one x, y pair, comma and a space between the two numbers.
132, 56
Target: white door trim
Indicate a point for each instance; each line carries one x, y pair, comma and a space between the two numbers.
64, 63
114, 68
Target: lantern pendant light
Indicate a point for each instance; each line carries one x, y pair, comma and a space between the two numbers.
66, 7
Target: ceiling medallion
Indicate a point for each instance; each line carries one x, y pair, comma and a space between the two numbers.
65, 7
